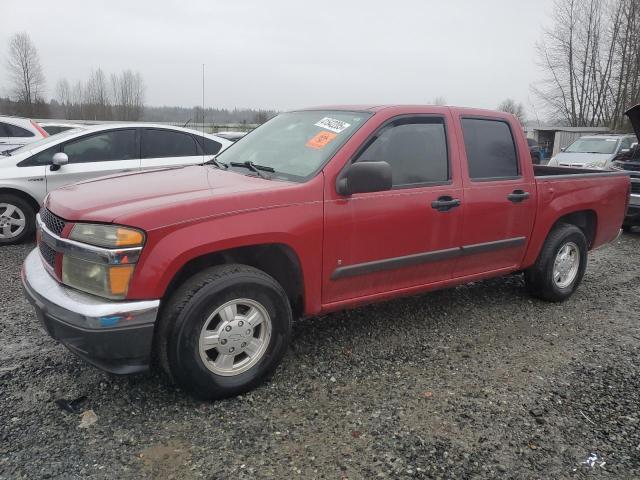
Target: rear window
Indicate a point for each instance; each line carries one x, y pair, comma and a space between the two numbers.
210, 147
167, 143
491, 150
8, 130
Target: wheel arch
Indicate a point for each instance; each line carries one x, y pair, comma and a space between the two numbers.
585, 220
276, 259
22, 194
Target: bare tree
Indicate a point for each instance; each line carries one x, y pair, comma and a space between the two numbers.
591, 61
128, 95
439, 100
25, 73
517, 109
63, 95
96, 97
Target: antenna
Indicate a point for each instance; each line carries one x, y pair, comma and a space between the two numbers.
203, 142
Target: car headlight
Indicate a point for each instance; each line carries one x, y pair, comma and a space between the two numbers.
596, 165
105, 279
552, 162
108, 236
110, 281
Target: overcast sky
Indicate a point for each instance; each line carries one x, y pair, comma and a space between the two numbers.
285, 54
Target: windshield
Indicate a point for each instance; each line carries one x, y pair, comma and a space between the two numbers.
42, 142
296, 144
593, 145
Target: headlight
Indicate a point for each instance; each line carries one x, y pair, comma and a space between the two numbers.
596, 165
110, 281
108, 236
105, 278
552, 162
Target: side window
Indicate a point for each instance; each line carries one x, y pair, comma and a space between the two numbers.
41, 158
8, 130
167, 143
210, 147
415, 148
625, 143
102, 147
491, 151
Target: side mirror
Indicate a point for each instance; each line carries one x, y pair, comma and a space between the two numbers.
624, 150
363, 177
563, 149
59, 159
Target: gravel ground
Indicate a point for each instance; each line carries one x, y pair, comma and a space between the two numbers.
474, 382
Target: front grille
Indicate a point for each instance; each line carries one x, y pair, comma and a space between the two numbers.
48, 254
635, 187
52, 222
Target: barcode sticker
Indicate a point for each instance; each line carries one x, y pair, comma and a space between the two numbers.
332, 124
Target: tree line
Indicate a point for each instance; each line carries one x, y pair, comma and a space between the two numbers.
591, 62
121, 97
118, 96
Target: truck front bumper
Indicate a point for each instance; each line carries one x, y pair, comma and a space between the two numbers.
115, 336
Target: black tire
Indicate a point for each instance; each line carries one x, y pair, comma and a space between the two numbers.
29, 216
185, 314
539, 278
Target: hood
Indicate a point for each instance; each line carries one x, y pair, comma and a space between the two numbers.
569, 158
634, 117
157, 198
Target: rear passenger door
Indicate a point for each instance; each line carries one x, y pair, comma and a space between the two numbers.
168, 148
96, 155
499, 197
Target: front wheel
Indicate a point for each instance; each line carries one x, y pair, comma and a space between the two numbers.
17, 220
560, 266
224, 331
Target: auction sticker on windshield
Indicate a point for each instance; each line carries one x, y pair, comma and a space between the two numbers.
321, 140
332, 124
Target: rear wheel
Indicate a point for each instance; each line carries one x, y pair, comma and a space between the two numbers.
17, 220
224, 331
560, 266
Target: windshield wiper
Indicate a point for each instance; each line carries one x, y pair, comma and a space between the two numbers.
254, 168
217, 163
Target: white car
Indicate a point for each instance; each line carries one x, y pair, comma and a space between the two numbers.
28, 173
593, 151
16, 131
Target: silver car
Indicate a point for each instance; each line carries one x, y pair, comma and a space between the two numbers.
29, 172
593, 151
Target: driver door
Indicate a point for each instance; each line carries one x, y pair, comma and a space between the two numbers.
380, 242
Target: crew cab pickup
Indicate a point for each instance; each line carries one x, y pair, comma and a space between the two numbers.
203, 268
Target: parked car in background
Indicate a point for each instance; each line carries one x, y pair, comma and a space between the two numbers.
629, 161
29, 172
534, 150
593, 151
316, 211
55, 127
16, 131
233, 136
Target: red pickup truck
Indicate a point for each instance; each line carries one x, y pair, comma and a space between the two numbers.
204, 267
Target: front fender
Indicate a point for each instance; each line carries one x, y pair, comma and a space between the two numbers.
298, 227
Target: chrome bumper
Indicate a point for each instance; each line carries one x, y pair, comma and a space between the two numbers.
113, 335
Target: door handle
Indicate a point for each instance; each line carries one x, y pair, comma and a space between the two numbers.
518, 196
446, 203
